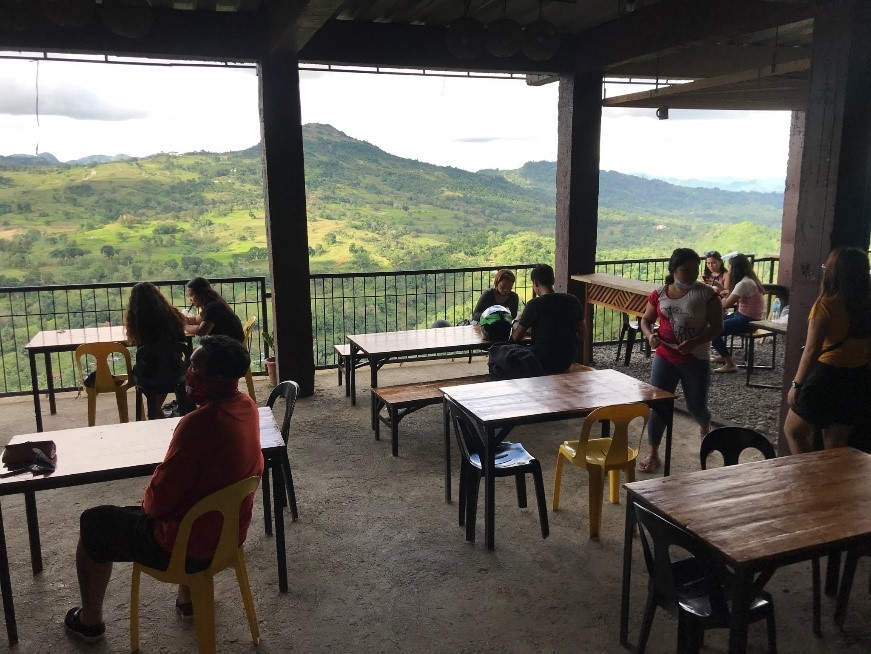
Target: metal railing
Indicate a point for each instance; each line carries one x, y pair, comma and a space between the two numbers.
27, 310
342, 303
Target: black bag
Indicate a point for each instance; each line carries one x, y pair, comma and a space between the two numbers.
512, 361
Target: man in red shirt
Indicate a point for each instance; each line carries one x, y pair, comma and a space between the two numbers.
211, 448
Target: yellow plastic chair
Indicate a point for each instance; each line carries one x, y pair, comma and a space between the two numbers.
247, 332
228, 554
600, 455
104, 381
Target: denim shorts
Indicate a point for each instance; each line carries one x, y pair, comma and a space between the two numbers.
834, 396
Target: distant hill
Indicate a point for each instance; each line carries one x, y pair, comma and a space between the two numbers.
171, 214
764, 185
48, 159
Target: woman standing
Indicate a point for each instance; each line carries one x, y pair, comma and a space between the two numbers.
689, 315
501, 293
715, 273
832, 384
151, 320
745, 293
215, 316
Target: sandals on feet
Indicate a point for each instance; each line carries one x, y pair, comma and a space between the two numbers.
87, 633
726, 369
720, 360
650, 464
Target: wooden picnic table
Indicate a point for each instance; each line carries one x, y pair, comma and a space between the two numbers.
775, 327
49, 341
759, 516
89, 455
497, 407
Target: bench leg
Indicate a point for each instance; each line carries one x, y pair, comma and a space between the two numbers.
394, 432
376, 410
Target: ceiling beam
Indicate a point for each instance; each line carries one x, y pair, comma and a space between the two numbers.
198, 35
663, 26
292, 23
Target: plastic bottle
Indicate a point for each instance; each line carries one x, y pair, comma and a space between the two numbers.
775, 309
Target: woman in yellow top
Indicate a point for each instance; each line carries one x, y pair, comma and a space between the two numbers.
833, 380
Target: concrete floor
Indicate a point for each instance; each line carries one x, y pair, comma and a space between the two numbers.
377, 562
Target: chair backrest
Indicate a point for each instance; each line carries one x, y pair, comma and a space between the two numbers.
620, 415
104, 381
227, 502
160, 367
664, 544
289, 390
247, 331
731, 441
467, 437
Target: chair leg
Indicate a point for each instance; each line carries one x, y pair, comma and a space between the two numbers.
833, 572
817, 604
203, 598
846, 586
140, 398
623, 330
557, 480
247, 599
772, 630
92, 408
134, 610
630, 343
472, 485
614, 486
464, 482
291, 493
596, 495
267, 502
538, 481
646, 621
121, 401
520, 483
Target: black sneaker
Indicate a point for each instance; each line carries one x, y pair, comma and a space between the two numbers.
87, 633
185, 611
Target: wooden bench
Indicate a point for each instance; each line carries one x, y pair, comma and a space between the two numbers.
402, 399
343, 354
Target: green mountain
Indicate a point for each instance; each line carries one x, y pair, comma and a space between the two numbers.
170, 216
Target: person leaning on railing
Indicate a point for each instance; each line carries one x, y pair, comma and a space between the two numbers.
689, 315
833, 381
215, 316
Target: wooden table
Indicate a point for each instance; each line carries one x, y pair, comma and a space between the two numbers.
759, 516
89, 455
773, 326
612, 292
497, 407
381, 346
63, 340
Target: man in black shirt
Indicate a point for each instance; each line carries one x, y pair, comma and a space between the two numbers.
555, 322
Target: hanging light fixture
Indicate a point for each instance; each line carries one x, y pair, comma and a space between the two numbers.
541, 38
628, 6
18, 15
68, 13
504, 36
465, 35
131, 19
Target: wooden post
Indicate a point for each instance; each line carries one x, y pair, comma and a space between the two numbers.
577, 184
286, 221
833, 207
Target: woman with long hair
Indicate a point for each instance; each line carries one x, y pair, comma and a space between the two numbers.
689, 316
745, 294
215, 316
151, 322
833, 381
501, 293
715, 273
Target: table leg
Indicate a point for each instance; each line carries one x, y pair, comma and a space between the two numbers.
373, 383
627, 571
33, 531
351, 374
278, 488
49, 380
490, 488
446, 430
669, 426
6, 588
742, 594
34, 382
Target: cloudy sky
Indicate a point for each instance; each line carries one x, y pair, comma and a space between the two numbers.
86, 108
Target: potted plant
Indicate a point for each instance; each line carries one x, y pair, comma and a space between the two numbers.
269, 342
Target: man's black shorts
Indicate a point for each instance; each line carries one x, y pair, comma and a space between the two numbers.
125, 533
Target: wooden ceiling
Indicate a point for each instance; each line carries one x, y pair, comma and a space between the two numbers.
691, 39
